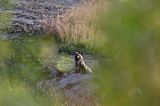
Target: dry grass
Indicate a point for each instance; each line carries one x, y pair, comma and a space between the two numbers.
79, 25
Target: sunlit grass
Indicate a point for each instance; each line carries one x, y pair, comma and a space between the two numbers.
64, 63
4, 21
6, 49
79, 25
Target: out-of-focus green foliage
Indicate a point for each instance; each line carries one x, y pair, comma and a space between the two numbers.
17, 93
130, 76
21, 67
13, 94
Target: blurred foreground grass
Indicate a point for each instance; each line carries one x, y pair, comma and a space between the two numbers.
21, 67
131, 76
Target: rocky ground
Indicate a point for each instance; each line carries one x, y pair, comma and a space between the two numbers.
29, 15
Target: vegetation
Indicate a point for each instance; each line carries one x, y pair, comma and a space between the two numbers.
124, 32
7, 4
130, 77
78, 28
4, 21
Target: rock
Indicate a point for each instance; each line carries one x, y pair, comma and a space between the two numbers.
73, 79
78, 90
80, 95
75, 89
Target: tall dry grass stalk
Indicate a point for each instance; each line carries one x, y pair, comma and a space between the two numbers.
79, 25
